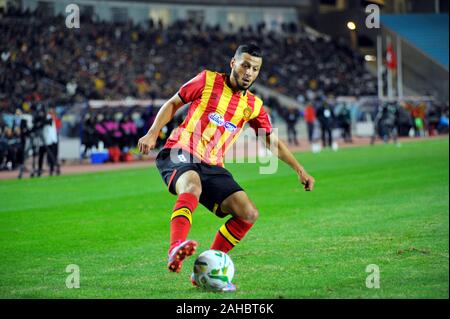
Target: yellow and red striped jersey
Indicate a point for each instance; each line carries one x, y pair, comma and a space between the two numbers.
215, 117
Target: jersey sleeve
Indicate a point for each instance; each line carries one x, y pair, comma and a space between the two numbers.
193, 89
262, 121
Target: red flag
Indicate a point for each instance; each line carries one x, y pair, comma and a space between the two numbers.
391, 58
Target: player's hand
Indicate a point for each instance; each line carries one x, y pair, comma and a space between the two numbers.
147, 143
307, 180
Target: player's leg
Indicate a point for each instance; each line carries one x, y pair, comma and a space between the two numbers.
310, 132
395, 135
188, 188
289, 133
295, 136
41, 160
323, 133
50, 158
330, 136
244, 215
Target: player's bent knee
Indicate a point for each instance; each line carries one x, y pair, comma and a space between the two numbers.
251, 215
189, 182
193, 189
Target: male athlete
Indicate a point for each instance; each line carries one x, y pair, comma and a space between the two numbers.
191, 162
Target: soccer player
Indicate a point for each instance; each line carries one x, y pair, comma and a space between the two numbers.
192, 160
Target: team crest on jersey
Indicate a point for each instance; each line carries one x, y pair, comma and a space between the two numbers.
247, 113
216, 118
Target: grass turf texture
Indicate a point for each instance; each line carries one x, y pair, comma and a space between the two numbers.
372, 205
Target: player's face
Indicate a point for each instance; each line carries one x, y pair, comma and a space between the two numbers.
244, 70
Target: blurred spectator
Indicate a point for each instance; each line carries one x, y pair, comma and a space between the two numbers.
10, 147
22, 125
129, 133
309, 114
433, 116
55, 146
326, 117
88, 136
345, 121
418, 115
292, 116
443, 126
3, 147
405, 122
275, 106
49, 146
386, 122
101, 132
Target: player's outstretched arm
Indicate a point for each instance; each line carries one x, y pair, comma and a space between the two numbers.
164, 116
278, 147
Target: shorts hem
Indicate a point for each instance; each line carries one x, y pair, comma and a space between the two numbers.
179, 171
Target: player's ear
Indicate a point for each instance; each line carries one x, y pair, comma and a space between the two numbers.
232, 62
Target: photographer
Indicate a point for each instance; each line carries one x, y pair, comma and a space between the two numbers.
9, 148
386, 123
44, 127
3, 147
326, 117
22, 126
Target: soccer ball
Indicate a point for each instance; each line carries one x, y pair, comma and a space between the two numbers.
213, 270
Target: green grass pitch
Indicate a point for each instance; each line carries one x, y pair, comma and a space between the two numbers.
377, 204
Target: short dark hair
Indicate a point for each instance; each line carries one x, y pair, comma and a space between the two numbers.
251, 48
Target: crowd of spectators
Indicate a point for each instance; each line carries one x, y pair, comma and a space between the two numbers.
41, 59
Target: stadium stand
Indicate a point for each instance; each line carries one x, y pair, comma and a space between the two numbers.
103, 60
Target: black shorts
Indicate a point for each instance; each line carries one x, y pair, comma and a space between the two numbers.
217, 182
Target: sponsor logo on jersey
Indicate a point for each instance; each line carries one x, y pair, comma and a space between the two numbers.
230, 126
216, 118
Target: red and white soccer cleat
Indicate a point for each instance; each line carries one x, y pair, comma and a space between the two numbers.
179, 253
